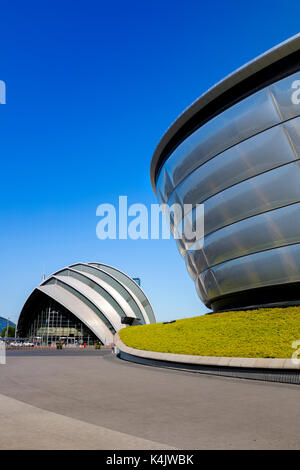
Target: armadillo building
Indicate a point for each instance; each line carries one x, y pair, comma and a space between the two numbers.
86, 302
236, 149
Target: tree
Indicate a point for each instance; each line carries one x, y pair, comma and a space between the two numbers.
11, 331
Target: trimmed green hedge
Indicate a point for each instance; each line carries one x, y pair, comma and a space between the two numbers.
253, 333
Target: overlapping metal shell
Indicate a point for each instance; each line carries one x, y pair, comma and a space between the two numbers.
97, 294
243, 164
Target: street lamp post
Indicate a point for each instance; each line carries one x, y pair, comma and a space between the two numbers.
6, 334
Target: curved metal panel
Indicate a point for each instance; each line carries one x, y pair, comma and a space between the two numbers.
277, 55
265, 192
190, 265
214, 137
263, 232
201, 291
82, 297
208, 282
282, 92
224, 131
242, 162
99, 301
146, 307
256, 155
267, 268
249, 198
165, 186
111, 294
127, 295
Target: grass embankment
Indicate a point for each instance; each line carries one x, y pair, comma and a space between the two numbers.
252, 333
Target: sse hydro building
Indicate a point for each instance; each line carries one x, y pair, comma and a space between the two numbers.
237, 150
87, 302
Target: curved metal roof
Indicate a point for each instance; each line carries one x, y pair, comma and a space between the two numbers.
266, 68
98, 294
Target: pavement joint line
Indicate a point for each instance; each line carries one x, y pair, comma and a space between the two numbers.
25, 426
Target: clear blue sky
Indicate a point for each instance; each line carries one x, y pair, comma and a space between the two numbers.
91, 88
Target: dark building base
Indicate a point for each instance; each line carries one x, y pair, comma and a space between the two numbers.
283, 295
270, 375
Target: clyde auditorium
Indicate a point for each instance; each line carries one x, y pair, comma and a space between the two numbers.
87, 302
236, 149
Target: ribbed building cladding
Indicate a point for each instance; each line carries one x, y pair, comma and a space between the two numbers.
84, 301
237, 151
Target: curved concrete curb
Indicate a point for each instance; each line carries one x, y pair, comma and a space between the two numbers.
275, 370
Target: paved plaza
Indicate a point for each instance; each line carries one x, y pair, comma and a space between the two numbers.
92, 400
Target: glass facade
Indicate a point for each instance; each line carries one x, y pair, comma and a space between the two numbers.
85, 300
53, 323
